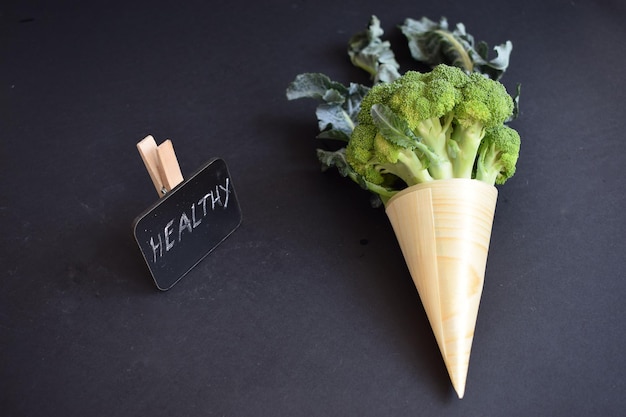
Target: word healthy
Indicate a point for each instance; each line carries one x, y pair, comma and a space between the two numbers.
165, 241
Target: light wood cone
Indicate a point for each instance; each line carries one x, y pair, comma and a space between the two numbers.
443, 228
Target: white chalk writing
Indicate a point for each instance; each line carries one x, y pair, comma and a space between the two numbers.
166, 239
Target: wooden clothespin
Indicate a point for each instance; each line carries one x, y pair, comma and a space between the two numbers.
161, 164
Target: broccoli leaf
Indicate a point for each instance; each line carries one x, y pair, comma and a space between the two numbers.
316, 86
334, 122
337, 159
353, 99
369, 52
516, 111
495, 67
339, 105
434, 43
392, 127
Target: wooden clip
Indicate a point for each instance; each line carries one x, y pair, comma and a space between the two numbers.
161, 164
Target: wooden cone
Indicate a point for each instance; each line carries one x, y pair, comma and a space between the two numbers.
443, 228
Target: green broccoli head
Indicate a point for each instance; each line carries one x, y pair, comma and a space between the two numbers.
417, 97
399, 162
497, 155
382, 162
426, 126
360, 152
484, 102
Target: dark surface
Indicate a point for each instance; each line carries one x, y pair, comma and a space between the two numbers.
308, 308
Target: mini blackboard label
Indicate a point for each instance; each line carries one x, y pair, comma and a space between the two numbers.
184, 226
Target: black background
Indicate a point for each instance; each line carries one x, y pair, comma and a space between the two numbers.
308, 308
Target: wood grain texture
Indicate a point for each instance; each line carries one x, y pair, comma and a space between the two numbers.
444, 229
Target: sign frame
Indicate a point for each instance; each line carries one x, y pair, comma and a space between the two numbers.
184, 226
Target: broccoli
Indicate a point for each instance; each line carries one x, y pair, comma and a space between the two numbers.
429, 126
497, 155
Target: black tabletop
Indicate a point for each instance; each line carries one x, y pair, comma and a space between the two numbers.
308, 307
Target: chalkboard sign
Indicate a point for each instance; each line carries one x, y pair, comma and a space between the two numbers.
184, 226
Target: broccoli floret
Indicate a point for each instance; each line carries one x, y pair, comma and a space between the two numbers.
485, 104
497, 155
373, 157
426, 126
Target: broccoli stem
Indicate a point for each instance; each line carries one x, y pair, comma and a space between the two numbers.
464, 144
487, 176
408, 167
439, 167
462, 57
488, 166
434, 136
416, 173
